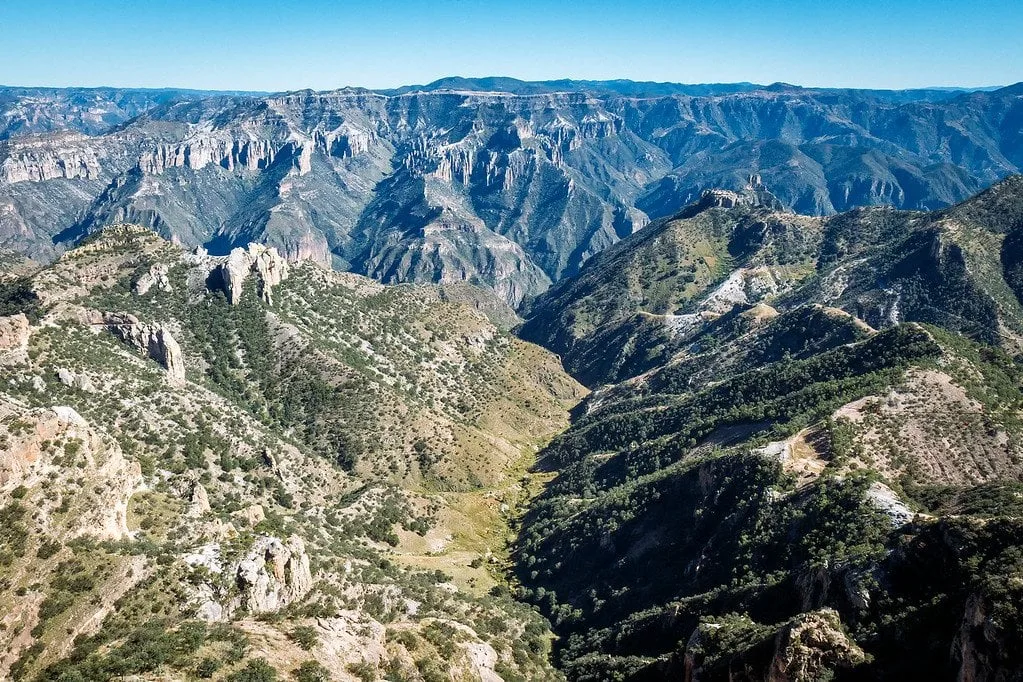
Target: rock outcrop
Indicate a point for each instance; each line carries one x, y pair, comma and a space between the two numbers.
272, 574
886, 501
75, 380
154, 340
230, 273
811, 646
156, 277
14, 333
271, 268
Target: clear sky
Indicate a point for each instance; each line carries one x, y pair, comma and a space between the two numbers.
324, 44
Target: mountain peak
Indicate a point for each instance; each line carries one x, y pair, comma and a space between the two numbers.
754, 195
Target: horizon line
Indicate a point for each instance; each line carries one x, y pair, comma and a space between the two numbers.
596, 81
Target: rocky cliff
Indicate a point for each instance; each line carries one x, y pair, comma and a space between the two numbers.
154, 341
510, 190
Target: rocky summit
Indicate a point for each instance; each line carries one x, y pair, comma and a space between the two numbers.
499, 381
495, 182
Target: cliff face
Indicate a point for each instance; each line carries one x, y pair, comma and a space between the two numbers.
509, 190
28, 110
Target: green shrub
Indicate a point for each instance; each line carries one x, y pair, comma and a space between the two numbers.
256, 670
304, 636
311, 671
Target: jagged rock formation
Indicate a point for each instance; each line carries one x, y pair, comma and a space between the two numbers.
155, 277
153, 340
66, 156
474, 185
273, 574
229, 274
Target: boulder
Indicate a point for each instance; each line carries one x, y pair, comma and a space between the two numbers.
74, 380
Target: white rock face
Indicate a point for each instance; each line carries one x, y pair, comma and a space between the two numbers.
68, 156
482, 657
884, 499
742, 287
273, 574
204, 149
156, 277
230, 274
152, 339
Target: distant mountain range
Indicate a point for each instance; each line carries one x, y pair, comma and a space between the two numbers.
494, 181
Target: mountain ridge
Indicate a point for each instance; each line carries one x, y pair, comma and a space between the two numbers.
511, 191
239, 467
794, 421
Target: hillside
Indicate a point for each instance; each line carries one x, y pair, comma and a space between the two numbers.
801, 459
236, 467
493, 182
664, 289
804, 458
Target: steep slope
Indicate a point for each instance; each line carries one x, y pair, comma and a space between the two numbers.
510, 189
229, 466
651, 295
797, 483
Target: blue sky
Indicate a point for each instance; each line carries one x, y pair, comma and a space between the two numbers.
323, 44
